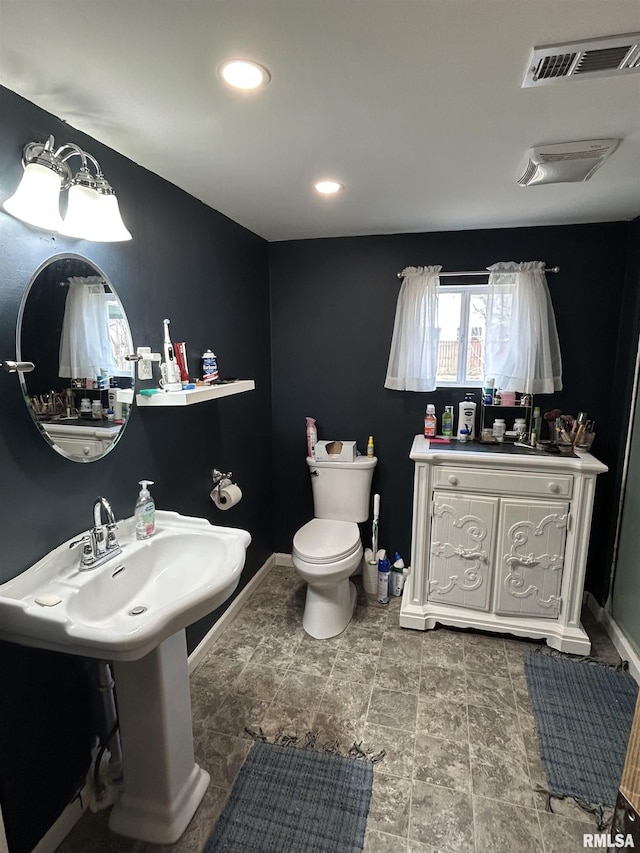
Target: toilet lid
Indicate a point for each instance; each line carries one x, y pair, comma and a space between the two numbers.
323, 540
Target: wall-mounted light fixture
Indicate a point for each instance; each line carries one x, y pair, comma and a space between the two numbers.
92, 208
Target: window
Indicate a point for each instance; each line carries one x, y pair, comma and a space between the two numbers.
120, 337
462, 312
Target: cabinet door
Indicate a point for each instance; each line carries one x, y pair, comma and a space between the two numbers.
460, 551
530, 556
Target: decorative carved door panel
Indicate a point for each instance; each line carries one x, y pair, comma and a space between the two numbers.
461, 549
530, 557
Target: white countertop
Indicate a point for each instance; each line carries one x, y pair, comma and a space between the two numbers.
492, 455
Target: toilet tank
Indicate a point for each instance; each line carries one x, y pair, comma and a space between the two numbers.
341, 489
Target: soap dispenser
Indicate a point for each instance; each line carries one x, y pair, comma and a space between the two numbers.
145, 512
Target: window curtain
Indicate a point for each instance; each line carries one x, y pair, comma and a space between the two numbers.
85, 345
522, 351
413, 359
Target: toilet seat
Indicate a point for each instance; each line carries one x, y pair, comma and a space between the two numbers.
323, 540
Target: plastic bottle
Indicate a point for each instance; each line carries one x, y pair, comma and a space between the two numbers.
383, 581
430, 422
487, 391
463, 434
370, 452
447, 422
397, 575
497, 397
499, 429
145, 512
312, 437
467, 415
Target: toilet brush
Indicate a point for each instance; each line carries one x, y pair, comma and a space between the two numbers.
374, 528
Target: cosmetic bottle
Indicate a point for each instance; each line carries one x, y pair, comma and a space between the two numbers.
499, 429
467, 415
145, 512
447, 422
370, 449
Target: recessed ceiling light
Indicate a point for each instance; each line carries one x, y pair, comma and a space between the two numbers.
244, 74
328, 187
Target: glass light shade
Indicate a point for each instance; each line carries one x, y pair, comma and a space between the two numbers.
109, 225
93, 216
81, 212
37, 199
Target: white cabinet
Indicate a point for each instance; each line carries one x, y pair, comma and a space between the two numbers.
500, 541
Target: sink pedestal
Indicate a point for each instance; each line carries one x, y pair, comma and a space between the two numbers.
163, 785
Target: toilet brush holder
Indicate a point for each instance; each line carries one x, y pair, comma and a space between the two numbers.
370, 577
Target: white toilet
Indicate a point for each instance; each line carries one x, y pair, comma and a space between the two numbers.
328, 550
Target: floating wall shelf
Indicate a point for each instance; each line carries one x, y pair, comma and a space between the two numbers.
195, 395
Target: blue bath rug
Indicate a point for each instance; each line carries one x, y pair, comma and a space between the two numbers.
291, 800
583, 714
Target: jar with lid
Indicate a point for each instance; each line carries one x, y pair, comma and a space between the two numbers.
96, 410
85, 406
499, 429
520, 426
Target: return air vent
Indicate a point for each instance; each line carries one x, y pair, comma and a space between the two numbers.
600, 57
565, 162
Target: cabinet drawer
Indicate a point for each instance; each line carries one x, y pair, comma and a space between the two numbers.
503, 482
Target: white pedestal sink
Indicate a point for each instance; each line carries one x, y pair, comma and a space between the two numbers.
132, 610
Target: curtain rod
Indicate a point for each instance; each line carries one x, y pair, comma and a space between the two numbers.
479, 272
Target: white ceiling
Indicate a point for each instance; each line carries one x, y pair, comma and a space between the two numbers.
415, 105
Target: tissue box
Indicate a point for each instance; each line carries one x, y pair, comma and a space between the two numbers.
335, 451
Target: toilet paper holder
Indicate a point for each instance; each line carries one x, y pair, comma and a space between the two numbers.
221, 480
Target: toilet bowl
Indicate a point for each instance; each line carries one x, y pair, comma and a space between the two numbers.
326, 552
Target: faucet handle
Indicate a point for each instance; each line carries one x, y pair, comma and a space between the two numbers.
111, 534
87, 548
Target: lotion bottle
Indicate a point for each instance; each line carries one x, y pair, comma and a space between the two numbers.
467, 416
145, 512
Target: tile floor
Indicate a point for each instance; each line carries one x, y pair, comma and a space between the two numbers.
450, 708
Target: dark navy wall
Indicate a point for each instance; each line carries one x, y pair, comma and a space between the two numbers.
210, 277
332, 310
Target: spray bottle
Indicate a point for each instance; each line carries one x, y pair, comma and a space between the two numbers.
383, 581
312, 437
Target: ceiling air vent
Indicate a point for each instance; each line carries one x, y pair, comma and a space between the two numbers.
565, 162
600, 57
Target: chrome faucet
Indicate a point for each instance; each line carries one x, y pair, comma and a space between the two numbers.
100, 544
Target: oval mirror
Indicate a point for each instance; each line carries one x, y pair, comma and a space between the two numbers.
72, 326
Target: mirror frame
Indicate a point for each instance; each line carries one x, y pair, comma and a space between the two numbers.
62, 256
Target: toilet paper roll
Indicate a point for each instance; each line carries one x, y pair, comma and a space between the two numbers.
227, 496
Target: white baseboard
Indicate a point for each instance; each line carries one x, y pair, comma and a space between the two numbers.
72, 813
210, 638
625, 648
